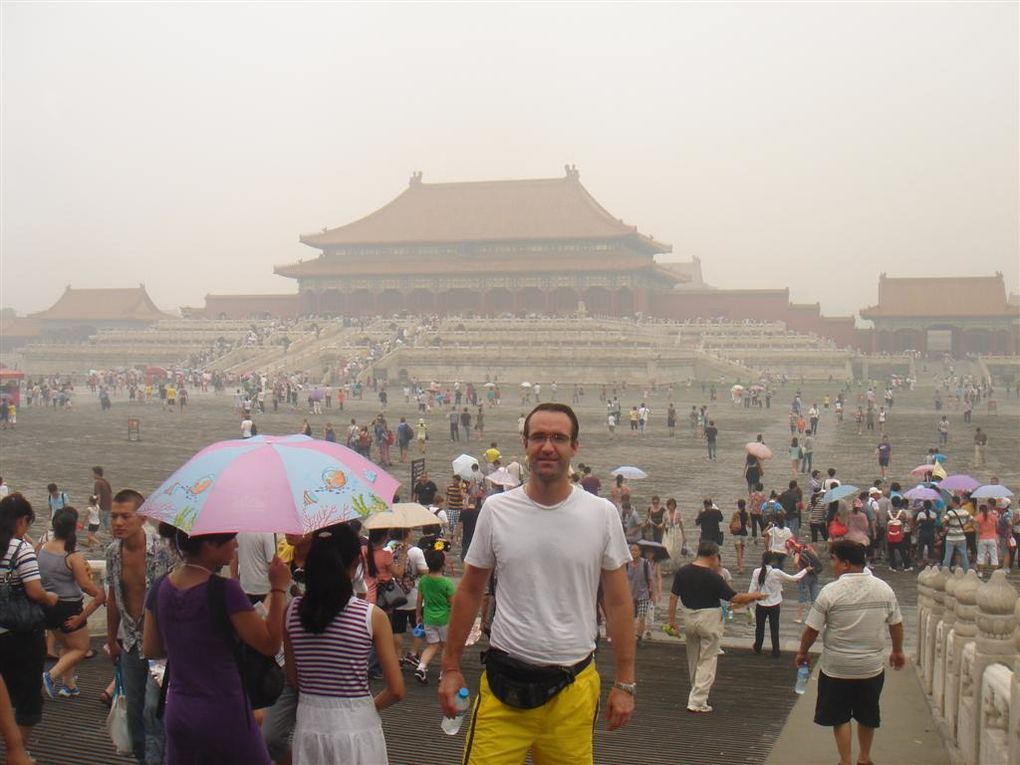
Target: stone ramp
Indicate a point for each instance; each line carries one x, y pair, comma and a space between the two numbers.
752, 696
908, 736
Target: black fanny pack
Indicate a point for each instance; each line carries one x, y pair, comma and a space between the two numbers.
526, 686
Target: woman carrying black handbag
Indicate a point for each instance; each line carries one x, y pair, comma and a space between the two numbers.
22, 646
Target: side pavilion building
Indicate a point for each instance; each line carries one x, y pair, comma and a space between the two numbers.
944, 315
491, 247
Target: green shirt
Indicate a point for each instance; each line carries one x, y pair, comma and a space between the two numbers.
436, 592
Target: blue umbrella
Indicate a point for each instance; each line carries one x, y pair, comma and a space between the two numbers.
838, 493
991, 491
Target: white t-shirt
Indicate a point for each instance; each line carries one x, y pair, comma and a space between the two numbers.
852, 614
415, 565
255, 552
246, 428
777, 539
548, 562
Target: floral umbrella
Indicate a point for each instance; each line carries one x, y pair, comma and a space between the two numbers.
287, 484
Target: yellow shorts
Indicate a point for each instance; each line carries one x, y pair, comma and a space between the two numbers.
558, 732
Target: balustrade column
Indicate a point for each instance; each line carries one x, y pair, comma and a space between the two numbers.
935, 647
1014, 697
960, 656
943, 639
925, 600
985, 739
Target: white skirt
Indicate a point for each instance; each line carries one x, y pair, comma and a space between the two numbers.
333, 730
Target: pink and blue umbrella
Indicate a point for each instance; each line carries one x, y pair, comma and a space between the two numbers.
287, 484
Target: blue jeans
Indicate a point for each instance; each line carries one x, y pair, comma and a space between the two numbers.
961, 548
147, 738
711, 450
806, 462
793, 524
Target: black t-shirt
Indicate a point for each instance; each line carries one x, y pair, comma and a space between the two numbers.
709, 521
710, 433
424, 493
468, 520
789, 499
700, 587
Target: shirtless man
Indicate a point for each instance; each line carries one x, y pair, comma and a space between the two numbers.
135, 559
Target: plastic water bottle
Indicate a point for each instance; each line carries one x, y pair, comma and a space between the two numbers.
418, 631
451, 725
803, 673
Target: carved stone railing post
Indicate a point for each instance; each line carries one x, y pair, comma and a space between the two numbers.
924, 603
1014, 703
946, 602
984, 712
963, 634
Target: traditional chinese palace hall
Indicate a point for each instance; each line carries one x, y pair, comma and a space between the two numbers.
511, 246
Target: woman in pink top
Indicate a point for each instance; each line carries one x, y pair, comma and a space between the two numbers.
858, 526
987, 522
378, 566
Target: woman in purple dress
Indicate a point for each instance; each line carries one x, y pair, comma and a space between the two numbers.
208, 717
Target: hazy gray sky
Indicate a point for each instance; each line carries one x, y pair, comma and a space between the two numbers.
791, 144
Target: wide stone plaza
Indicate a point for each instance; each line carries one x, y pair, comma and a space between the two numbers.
753, 696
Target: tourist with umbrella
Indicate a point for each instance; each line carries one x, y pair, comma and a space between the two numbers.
753, 469
192, 618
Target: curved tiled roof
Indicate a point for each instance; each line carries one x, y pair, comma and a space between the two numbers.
928, 296
130, 304
486, 211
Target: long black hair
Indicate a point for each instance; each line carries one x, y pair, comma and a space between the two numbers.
767, 558
328, 585
13, 507
65, 528
375, 537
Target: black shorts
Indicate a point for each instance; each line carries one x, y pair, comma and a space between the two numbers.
60, 613
21, 664
400, 619
841, 699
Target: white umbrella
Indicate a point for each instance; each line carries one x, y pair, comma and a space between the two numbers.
403, 515
490, 385
991, 491
629, 472
462, 466
525, 385
502, 477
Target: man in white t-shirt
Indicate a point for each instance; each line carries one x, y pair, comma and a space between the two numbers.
852, 615
250, 566
246, 425
544, 627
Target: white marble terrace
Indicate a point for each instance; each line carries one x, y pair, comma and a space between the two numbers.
968, 662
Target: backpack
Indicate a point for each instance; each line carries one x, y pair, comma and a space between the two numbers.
894, 530
735, 524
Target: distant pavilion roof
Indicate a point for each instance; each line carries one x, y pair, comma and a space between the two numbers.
546, 209
960, 297
117, 304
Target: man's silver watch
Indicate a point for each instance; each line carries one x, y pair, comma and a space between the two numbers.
630, 688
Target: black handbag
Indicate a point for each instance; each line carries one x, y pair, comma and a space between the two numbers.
526, 686
18, 612
261, 676
389, 596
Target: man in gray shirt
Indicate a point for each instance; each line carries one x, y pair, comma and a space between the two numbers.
852, 614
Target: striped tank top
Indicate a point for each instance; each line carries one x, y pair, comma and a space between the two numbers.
335, 662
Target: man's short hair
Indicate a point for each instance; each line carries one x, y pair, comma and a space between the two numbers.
133, 496
550, 406
707, 549
97, 471
849, 552
51, 487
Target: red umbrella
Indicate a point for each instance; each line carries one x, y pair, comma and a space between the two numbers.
759, 450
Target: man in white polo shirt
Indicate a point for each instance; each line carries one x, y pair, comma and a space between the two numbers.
550, 544
852, 615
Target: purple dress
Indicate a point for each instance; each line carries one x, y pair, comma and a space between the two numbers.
208, 716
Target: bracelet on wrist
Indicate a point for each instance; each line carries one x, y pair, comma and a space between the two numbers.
277, 589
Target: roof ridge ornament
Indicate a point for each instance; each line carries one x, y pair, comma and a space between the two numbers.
571, 172
415, 178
